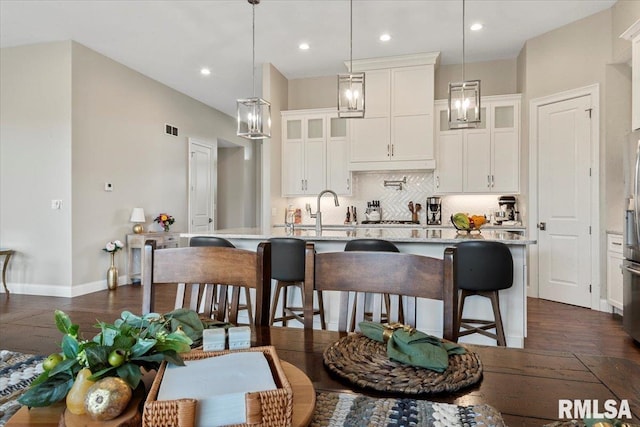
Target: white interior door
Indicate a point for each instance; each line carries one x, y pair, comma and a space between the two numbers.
202, 185
564, 201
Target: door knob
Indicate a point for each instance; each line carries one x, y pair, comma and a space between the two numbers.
542, 226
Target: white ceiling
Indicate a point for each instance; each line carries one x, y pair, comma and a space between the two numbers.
170, 41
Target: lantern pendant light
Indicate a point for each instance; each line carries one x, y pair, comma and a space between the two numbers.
254, 114
351, 85
463, 108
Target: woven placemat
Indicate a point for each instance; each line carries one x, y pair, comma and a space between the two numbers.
363, 362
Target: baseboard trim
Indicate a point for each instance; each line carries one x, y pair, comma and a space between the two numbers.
49, 290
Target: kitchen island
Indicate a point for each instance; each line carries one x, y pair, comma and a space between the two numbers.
429, 242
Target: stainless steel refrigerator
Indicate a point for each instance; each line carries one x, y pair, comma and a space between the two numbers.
631, 266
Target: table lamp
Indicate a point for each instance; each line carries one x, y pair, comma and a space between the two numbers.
137, 216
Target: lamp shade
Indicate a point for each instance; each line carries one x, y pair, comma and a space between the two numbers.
254, 118
464, 104
137, 215
351, 95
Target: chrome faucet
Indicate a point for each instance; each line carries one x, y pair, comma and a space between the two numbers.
318, 214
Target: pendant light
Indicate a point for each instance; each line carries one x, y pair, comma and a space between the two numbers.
463, 108
351, 85
254, 114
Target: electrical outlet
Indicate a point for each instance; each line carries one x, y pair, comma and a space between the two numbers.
108, 186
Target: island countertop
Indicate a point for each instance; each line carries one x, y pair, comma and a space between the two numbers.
404, 235
420, 241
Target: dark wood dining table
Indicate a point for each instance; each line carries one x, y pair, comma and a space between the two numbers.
525, 386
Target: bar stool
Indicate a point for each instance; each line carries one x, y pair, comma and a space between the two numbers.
288, 268
373, 245
223, 243
483, 268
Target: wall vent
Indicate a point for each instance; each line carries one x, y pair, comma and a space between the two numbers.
170, 130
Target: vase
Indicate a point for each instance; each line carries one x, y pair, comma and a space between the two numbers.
112, 274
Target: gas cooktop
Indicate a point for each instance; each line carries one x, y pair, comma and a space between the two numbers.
391, 221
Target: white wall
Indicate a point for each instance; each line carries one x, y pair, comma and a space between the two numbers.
35, 165
115, 120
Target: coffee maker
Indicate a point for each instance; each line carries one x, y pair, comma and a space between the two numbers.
508, 206
434, 211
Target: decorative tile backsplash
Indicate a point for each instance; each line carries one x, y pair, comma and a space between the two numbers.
368, 186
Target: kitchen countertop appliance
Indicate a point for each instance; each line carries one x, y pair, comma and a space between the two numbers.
631, 263
508, 207
434, 211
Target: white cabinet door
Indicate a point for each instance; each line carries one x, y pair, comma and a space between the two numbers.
398, 123
614, 270
412, 86
477, 161
315, 153
448, 175
303, 155
412, 138
412, 113
292, 157
338, 174
370, 136
449, 149
370, 139
505, 156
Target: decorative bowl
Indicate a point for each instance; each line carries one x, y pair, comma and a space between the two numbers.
472, 227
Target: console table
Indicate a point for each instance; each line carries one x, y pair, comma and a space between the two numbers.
7, 256
135, 246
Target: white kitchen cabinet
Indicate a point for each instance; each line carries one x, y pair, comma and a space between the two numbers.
481, 160
614, 270
633, 34
397, 131
314, 153
338, 173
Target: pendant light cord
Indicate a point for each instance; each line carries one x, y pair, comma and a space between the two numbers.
463, 40
253, 43
351, 36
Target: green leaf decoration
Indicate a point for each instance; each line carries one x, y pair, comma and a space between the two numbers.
63, 322
47, 393
65, 365
173, 357
147, 341
142, 346
97, 357
69, 347
130, 373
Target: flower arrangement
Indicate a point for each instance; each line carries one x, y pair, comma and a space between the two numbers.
165, 220
121, 349
113, 247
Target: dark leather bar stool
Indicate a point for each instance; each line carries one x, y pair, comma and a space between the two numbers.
373, 245
483, 268
288, 268
223, 243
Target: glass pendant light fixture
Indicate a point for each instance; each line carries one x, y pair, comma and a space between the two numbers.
254, 114
351, 85
463, 108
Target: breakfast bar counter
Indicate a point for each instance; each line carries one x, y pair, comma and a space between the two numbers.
421, 241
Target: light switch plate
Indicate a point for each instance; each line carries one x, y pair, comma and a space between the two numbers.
56, 204
108, 186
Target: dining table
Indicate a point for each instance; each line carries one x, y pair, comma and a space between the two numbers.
525, 386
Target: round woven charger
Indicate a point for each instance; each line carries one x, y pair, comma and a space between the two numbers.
364, 362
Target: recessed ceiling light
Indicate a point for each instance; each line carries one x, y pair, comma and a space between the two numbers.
476, 27
205, 71
385, 37
304, 46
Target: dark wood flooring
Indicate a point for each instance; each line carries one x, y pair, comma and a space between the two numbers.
26, 323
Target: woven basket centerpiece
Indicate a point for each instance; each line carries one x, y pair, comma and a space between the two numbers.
364, 362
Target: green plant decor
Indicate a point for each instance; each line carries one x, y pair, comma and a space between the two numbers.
121, 349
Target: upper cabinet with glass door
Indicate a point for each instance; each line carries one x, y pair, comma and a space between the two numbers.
315, 144
480, 160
